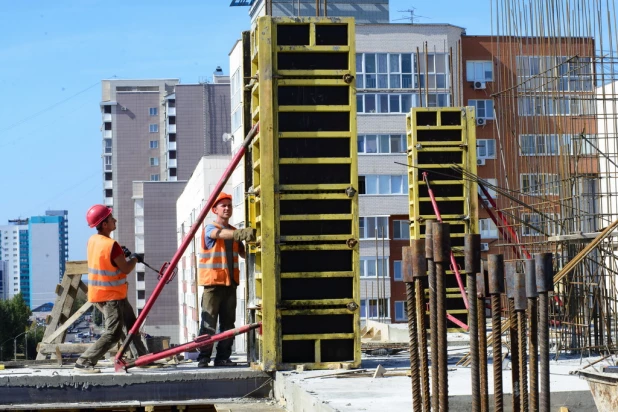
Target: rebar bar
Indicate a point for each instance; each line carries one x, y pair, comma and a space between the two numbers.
523, 372
442, 251
409, 256
472, 267
510, 270
496, 287
482, 336
544, 283
433, 316
419, 272
532, 295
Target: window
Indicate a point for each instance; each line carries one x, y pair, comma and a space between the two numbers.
154, 161
107, 160
435, 65
540, 184
401, 229
484, 108
107, 145
384, 185
382, 143
554, 73
154, 144
236, 118
385, 71
369, 226
368, 267
479, 71
154, 178
488, 229
108, 193
401, 310
141, 294
238, 194
153, 111
536, 224
235, 89
486, 148
140, 276
492, 192
547, 105
154, 128
369, 308
397, 275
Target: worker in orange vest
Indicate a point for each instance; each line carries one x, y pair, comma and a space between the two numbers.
218, 272
107, 285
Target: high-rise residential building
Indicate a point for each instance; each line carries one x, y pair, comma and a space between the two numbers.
157, 131
365, 11
45, 255
63, 238
4, 279
14, 252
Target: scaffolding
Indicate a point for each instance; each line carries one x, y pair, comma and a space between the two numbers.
556, 123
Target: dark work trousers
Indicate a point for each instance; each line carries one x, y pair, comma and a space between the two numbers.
117, 313
218, 302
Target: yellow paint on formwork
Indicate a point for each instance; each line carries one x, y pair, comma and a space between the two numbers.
274, 66
447, 136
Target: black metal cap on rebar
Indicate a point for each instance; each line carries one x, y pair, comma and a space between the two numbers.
482, 287
530, 272
496, 274
544, 272
520, 300
419, 261
441, 242
472, 253
429, 239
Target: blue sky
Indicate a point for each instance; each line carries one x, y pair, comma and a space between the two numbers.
53, 56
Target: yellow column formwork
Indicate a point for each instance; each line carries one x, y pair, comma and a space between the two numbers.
439, 138
305, 201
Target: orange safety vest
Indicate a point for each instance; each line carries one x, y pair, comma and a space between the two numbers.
212, 265
105, 281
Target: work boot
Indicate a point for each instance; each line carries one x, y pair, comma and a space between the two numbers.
86, 368
224, 362
203, 363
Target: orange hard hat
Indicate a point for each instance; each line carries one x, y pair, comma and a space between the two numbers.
221, 197
96, 214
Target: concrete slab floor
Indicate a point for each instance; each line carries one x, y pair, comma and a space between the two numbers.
304, 391
173, 383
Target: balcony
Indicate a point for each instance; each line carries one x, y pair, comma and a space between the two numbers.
171, 111
171, 145
107, 134
171, 128
109, 201
172, 179
107, 184
141, 285
107, 117
171, 163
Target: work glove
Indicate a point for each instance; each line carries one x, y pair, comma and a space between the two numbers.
138, 256
126, 251
247, 234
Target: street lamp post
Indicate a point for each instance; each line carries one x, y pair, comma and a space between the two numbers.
15, 344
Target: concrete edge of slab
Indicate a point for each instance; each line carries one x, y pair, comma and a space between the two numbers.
127, 404
294, 398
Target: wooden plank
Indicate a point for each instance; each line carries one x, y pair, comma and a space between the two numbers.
68, 323
76, 267
64, 348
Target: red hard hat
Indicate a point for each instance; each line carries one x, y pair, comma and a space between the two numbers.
96, 214
222, 196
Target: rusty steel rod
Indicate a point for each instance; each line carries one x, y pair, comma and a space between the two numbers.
472, 248
521, 304
433, 315
419, 272
544, 284
532, 295
481, 293
409, 255
441, 255
510, 270
496, 287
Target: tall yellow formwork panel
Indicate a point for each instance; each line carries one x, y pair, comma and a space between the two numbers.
441, 140
305, 207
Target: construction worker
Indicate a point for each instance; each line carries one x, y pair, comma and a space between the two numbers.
218, 272
107, 285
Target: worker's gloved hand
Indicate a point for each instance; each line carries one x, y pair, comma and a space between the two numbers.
247, 234
126, 251
138, 256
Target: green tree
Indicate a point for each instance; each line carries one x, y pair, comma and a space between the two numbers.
14, 314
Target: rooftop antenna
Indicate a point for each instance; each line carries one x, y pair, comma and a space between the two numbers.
413, 15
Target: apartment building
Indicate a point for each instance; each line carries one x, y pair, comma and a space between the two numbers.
156, 131
14, 253
63, 238
45, 237
366, 11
